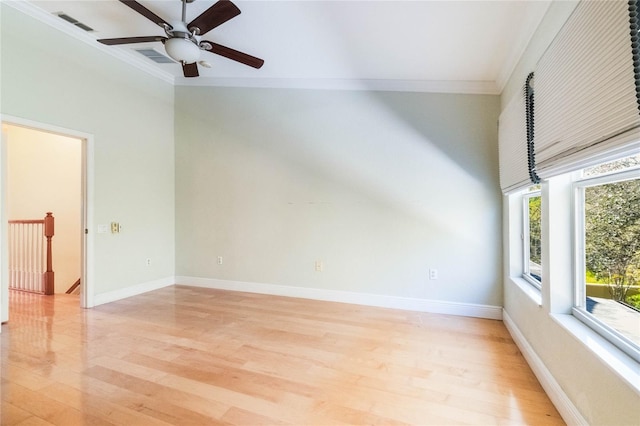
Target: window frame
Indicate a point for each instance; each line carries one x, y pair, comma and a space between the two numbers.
579, 283
526, 251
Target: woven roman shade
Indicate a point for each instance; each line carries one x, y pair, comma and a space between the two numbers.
512, 145
586, 91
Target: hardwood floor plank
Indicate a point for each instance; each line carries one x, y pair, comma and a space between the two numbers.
34, 421
12, 415
337, 413
26, 378
103, 403
36, 403
146, 397
236, 379
73, 417
183, 355
238, 416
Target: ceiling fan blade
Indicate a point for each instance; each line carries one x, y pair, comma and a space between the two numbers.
190, 70
216, 15
145, 12
128, 40
234, 55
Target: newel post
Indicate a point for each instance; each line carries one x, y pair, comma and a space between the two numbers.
48, 232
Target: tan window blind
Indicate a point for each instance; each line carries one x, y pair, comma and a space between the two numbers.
512, 146
586, 108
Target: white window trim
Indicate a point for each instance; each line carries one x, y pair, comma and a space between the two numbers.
621, 364
526, 274
625, 367
512, 210
613, 336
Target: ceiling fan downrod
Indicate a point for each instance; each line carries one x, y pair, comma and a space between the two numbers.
184, 10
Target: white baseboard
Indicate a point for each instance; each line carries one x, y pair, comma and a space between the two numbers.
394, 302
563, 404
112, 296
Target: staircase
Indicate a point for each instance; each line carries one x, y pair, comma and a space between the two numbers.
75, 288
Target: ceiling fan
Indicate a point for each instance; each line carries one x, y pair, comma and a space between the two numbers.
183, 42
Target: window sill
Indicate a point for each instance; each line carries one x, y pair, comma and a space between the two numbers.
625, 367
529, 289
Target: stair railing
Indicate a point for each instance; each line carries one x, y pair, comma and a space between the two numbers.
30, 257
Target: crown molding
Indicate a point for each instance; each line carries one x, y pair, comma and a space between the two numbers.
45, 17
387, 85
428, 86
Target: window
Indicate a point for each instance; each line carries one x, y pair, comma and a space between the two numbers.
531, 236
607, 222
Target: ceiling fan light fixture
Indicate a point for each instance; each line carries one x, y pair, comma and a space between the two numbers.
182, 50
183, 41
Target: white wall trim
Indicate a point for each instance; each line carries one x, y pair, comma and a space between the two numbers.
87, 267
427, 86
563, 404
134, 290
4, 228
394, 302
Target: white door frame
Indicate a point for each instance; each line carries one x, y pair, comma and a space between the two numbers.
87, 249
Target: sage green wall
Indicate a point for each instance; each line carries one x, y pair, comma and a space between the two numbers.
49, 77
600, 396
380, 187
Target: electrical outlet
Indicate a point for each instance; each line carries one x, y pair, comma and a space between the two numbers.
433, 274
148, 261
219, 260
319, 266
115, 227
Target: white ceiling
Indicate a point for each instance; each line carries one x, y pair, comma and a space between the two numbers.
447, 45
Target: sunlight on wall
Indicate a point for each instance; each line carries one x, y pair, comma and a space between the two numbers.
400, 166
380, 186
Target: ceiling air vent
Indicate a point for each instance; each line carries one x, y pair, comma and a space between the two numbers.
73, 21
155, 56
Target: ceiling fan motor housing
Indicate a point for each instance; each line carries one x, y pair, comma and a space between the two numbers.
181, 45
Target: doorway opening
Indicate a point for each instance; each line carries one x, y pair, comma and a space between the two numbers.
43, 171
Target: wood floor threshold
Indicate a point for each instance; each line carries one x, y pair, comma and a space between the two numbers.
193, 356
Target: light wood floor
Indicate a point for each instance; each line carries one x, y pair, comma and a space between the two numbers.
183, 355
